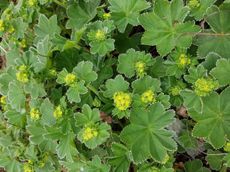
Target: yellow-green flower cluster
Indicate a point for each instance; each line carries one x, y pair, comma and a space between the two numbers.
52, 72
166, 159
58, 112
2, 28
32, 3
89, 133
175, 91
22, 74
122, 100
70, 79
194, 3
100, 35
148, 97
22, 43
227, 147
183, 61
204, 86
34, 114
27, 167
140, 68
3, 103
106, 16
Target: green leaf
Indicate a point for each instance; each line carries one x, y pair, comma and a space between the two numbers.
147, 136
5, 79
74, 92
218, 40
16, 96
127, 12
214, 159
11, 165
47, 27
166, 29
81, 13
221, 71
35, 89
15, 118
73, 166
102, 47
84, 71
191, 100
43, 52
213, 123
115, 85
96, 165
127, 61
46, 110
120, 159
66, 147
20, 27
87, 116
199, 12
36, 132
146, 83
195, 165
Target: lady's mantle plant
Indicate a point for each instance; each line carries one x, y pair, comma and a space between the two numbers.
114, 85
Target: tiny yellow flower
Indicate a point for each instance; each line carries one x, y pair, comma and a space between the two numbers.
30, 161
3, 100
106, 16
11, 29
22, 43
122, 100
175, 91
58, 112
70, 79
194, 3
148, 97
22, 76
2, 28
22, 68
100, 35
204, 86
89, 133
165, 160
227, 147
183, 61
34, 114
27, 168
140, 68
31, 3
53, 72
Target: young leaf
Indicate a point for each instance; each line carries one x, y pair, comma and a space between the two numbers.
84, 70
127, 62
115, 85
147, 136
126, 12
74, 92
166, 28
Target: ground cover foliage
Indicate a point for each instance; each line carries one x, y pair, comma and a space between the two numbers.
115, 85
